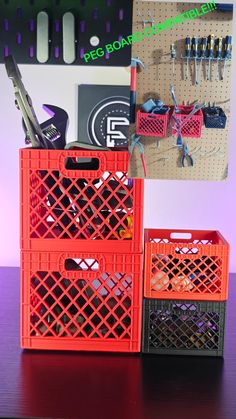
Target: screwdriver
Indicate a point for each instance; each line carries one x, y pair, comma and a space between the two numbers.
218, 56
187, 54
227, 53
202, 55
195, 51
210, 48
173, 57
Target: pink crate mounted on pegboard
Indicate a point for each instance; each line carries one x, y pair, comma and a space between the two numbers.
150, 124
192, 128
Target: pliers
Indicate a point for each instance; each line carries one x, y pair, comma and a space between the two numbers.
135, 141
186, 157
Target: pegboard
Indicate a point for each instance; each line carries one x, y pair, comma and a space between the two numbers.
107, 20
210, 152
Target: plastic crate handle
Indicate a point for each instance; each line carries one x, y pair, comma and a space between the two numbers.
180, 235
74, 266
82, 173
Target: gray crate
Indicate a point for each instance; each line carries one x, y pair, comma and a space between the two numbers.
179, 327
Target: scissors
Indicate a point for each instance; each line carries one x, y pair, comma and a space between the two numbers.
135, 141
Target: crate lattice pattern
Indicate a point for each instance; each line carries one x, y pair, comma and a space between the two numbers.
198, 275
184, 328
192, 128
155, 126
97, 308
80, 208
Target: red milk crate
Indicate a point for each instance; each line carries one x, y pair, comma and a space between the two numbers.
87, 302
192, 128
181, 264
150, 124
64, 206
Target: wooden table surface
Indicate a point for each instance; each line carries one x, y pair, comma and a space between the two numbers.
104, 386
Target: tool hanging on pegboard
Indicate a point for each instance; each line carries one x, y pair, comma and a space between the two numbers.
62, 31
202, 55
227, 53
173, 56
218, 51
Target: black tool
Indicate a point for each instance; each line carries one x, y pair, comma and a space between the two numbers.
173, 57
210, 49
218, 56
202, 56
227, 53
187, 54
195, 54
51, 134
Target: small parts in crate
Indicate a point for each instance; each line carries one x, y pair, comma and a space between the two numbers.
214, 117
152, 118
183, 327
98, 308
210, 50
82, 208
176, 275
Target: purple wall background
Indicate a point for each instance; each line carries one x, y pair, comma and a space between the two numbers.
168, 204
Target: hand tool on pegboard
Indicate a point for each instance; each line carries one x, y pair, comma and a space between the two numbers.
149, 20
135, 141
62, 31
173, 57
210, 54
202, 57
195, 55
187, 54
227, 53
186, 159
218, 57
136, 66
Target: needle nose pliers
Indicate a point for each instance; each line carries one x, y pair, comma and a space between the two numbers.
186, 159
135, 141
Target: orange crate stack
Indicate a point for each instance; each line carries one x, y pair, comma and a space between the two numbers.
185, 292
186, 265
81, 251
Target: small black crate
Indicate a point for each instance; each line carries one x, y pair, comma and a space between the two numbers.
179, 327
214, 117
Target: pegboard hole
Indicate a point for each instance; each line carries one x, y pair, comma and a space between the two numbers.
31, 51
121, 14
95, 13
82, 26
108, 27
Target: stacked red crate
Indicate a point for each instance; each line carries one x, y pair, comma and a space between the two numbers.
183, 269
81, 242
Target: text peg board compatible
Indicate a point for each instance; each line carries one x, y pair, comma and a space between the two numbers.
210, 152
61, 31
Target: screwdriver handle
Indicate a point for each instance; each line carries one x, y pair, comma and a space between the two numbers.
219, 45
211, 45
203, 47
187, 47
195, 46
228, 46
173, 51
